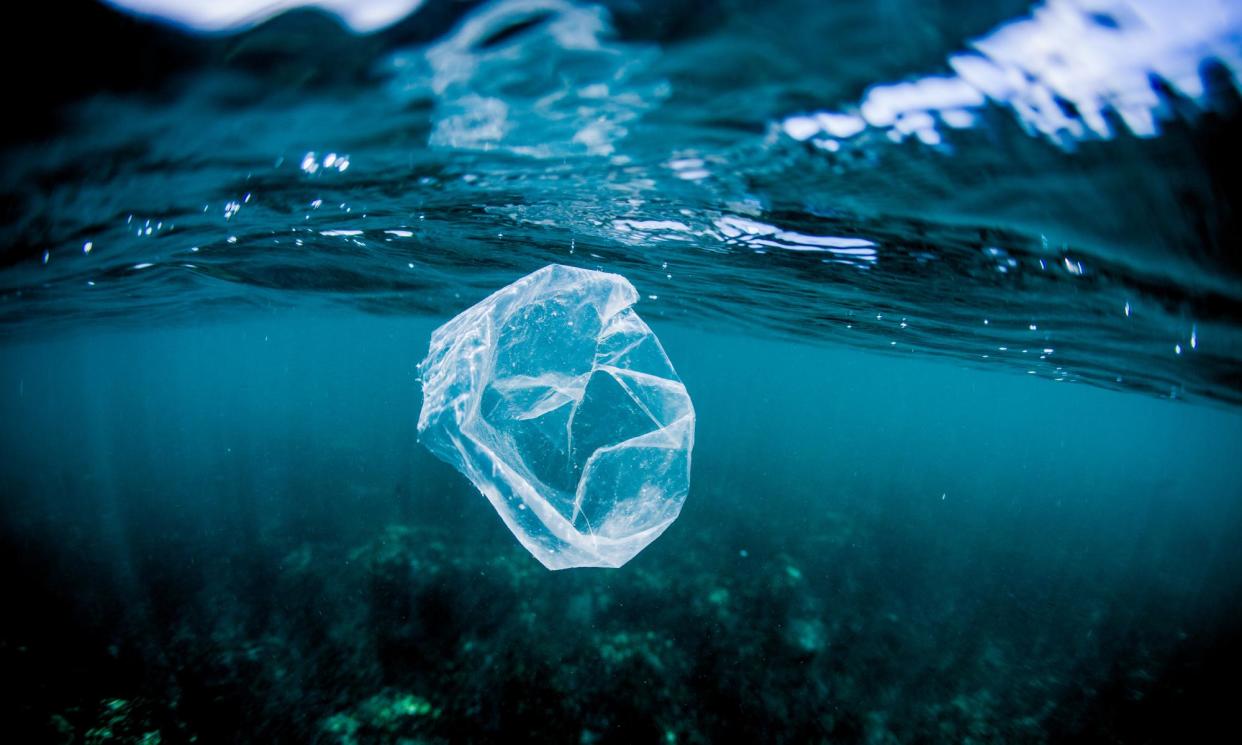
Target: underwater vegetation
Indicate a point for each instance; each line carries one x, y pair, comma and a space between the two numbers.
411, 637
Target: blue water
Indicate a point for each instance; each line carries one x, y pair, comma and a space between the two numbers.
967, 378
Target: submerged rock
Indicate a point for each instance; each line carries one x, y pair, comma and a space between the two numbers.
390, 716
559, 404
118, 721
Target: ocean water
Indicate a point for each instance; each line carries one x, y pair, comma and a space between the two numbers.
954, 288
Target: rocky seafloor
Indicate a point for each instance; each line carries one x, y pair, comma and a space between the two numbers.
414, 637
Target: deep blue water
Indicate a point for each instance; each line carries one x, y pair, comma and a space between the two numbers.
966, 366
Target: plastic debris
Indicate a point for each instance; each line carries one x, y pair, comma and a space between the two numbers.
559, 404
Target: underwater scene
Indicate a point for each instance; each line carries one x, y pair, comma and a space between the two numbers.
710, 371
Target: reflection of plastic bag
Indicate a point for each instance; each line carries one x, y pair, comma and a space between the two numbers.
557, 401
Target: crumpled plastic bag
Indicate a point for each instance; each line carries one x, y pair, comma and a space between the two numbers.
559, 404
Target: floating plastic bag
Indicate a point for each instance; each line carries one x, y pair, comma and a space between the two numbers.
559, 404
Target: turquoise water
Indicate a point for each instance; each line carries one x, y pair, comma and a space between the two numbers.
967, 396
